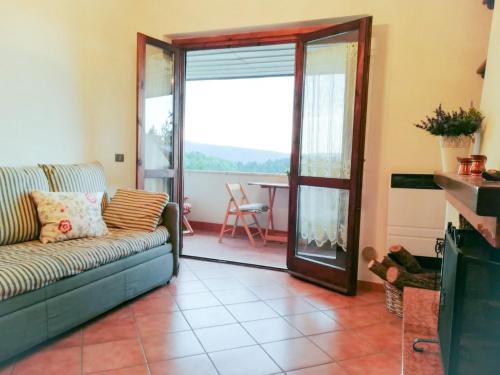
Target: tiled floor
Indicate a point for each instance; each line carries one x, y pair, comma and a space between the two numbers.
238, 249
224, 319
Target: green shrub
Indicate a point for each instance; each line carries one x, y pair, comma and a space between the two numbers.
453, 123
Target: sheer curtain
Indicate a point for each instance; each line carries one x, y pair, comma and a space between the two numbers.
326, 139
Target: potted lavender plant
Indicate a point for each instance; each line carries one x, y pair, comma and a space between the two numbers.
456, 131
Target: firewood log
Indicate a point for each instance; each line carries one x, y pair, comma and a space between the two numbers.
430, 275
400, 278
369, 253
388, 262
404, 258
377, 268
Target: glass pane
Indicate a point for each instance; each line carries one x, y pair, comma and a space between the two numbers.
158, 108
328, 106
322, 225
161, 185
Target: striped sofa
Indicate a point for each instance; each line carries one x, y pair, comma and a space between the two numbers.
47, 289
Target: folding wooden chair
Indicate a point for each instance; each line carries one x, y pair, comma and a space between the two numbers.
241, 208
187, 207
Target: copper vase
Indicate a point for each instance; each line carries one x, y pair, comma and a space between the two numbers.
465, 166
478, 164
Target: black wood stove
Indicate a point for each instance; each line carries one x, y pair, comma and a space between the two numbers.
469, 313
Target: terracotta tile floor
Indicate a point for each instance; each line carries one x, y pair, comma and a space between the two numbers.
238, 249
224, 319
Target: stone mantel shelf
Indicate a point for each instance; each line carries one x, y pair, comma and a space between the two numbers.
477, 200
481, 196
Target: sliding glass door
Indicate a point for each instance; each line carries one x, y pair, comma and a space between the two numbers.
327, 156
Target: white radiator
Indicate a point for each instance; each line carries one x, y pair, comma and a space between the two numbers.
416, 216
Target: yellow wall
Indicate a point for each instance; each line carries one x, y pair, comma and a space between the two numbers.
67, 77
490, 102
67, 82
43, 111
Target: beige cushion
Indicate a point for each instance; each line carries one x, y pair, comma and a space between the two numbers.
135, 209
18, 218
67, 216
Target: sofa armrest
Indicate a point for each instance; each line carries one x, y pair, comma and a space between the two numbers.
171, 220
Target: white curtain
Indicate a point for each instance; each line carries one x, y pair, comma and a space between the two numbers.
326, 139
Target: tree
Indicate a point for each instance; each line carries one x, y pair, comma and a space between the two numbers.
198, 161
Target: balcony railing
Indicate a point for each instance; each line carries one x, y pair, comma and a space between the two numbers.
207, 193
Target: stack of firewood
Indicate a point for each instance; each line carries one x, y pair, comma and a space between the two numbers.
402, 269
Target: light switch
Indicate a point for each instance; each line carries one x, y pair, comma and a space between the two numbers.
119, 158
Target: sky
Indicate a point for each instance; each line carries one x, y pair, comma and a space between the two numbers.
251, 113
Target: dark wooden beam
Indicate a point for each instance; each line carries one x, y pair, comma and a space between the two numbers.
489, 3
482, 69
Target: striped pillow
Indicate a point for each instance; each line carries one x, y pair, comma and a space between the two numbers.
135, 209
18, 216
80, 178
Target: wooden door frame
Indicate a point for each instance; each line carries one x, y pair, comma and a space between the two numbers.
178, 113
179, 88
354, 184
176, 173
230, 39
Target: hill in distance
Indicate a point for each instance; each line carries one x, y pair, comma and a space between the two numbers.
236, 154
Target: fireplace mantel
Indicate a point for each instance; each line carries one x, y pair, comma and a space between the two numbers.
475, 199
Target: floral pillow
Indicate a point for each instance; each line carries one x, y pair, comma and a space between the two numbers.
65, 216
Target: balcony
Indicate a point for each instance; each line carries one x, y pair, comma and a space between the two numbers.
208, 196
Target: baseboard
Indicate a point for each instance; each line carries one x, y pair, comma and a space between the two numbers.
370, 286
215, 228
204, 226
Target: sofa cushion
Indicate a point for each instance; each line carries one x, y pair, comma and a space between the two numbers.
83, 178
18, 217
66, 216
32, 265
24, 300
135, 209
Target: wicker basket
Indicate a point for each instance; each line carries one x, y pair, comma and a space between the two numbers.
393, 299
